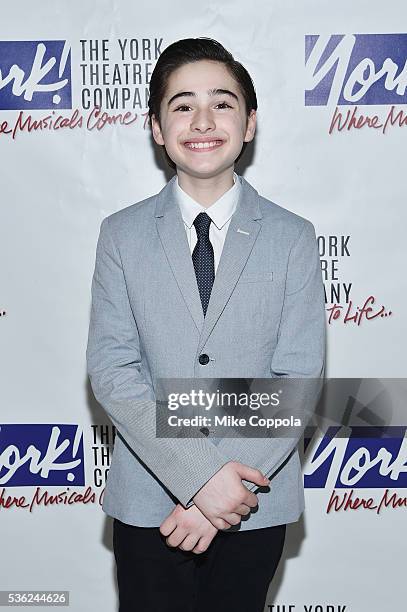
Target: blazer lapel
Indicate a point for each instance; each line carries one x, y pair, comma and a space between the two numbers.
240, 238
170, 227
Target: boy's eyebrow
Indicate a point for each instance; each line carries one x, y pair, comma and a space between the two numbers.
211, 92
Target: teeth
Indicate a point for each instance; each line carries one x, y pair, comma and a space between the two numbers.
202, 145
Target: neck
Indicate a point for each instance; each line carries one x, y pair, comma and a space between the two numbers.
206, 191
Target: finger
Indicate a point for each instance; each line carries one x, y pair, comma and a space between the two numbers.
168, 525
202, 546
233, 518
189, 542
176, 537
252, 475
243, 510
220, 523
251, 500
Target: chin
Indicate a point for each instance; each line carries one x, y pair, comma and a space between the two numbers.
204, 172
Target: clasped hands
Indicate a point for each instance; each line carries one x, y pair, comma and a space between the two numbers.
219, 504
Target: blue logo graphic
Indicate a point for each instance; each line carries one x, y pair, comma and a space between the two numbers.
35, 75
355, 69
372, 457
33, 455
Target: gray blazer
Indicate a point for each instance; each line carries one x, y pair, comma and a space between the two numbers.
266, 318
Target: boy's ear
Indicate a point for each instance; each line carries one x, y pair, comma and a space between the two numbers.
250, 126
156, 130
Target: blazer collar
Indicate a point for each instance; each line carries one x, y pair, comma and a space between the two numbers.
248, 198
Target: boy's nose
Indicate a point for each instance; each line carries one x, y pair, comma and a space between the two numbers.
203, 121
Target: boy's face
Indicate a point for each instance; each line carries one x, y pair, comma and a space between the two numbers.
202, 115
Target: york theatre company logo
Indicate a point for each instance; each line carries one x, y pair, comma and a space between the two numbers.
352, 73
367, 458
35, 457
52, 92
35, 75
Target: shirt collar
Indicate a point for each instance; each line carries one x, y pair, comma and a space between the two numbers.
220, 211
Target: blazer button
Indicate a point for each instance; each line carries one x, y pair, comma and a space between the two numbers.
204, 431
203, 359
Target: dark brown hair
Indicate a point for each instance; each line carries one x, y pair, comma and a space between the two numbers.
190, 50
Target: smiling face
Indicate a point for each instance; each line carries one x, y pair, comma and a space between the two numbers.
203, 119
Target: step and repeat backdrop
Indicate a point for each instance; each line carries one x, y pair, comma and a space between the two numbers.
75, 146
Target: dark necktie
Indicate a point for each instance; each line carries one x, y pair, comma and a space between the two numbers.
203, 259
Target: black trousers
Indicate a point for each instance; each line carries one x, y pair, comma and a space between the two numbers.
233, 575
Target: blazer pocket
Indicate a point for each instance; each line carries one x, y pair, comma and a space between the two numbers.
256, 277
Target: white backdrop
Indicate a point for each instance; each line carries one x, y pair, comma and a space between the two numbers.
58, 184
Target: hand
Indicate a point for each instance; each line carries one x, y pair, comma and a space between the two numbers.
224, 499
188, 529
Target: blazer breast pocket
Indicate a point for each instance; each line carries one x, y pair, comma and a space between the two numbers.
256, 277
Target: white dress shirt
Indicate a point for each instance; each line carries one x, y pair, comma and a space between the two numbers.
220, 212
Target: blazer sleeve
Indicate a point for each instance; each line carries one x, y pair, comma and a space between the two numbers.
300, 352
114, 367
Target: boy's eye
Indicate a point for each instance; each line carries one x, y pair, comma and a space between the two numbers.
185, 106
181, 107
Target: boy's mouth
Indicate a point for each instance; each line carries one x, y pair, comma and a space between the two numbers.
203, 146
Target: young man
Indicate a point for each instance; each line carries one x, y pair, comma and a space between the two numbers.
206, 279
